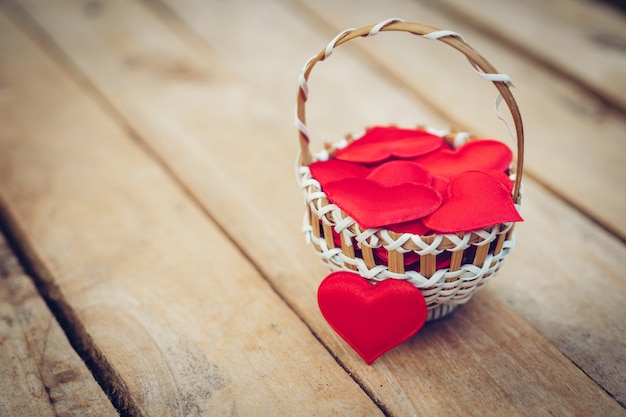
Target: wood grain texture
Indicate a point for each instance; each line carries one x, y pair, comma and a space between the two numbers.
188, 325
514, 370
574, 142
581, 39
547, 278
41, 374
570, 286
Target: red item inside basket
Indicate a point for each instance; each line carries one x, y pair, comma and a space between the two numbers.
381, 143
400, 172
476, 200
335, 169
410, 181
480, 154
374, 205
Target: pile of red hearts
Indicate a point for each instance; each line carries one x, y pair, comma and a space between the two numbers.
412, 181
406, 181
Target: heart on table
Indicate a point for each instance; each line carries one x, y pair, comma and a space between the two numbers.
482, 154
373, 205
383, 142
371, 318
476, 200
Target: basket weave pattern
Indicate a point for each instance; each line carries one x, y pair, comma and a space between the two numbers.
475, 257
451, 266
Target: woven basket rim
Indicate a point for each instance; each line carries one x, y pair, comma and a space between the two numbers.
447, 241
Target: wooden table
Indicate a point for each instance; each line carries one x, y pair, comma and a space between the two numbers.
147, 187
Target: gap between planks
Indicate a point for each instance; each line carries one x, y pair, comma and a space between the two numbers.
110, 381
105, 375
56, 54
44, 374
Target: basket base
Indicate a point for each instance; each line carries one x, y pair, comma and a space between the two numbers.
440, 311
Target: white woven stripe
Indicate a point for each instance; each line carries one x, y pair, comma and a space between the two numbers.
395, 244
303, 86
494, 77
496, 105
442, 291
302, 127
318, 202
426, 248
382, 24
460, 139
331, 45
440, 310
460, 243
441, 34
465, 282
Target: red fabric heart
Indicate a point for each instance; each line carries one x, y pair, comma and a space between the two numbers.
334, 169
477, 200
474, 155
399, 172
440, 184
371, 318
374, 205
409, 257
382, 142
416, 227
502, 178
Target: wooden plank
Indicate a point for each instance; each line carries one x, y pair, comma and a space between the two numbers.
193, 142
582, 39
163, 301
574, 143
41, 374
571, 287
561, 250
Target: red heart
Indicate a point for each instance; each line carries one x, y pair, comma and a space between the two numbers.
416, 227
477, 200
440, 184
502, 178
371, 318
409, 257
399, 172
474, 155
374, 205
380, 143
334, 169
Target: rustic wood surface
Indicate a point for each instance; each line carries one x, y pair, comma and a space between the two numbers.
41, 374
146, 178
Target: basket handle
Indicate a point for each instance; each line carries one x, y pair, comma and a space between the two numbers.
480, 64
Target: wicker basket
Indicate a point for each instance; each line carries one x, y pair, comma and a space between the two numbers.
472, 258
